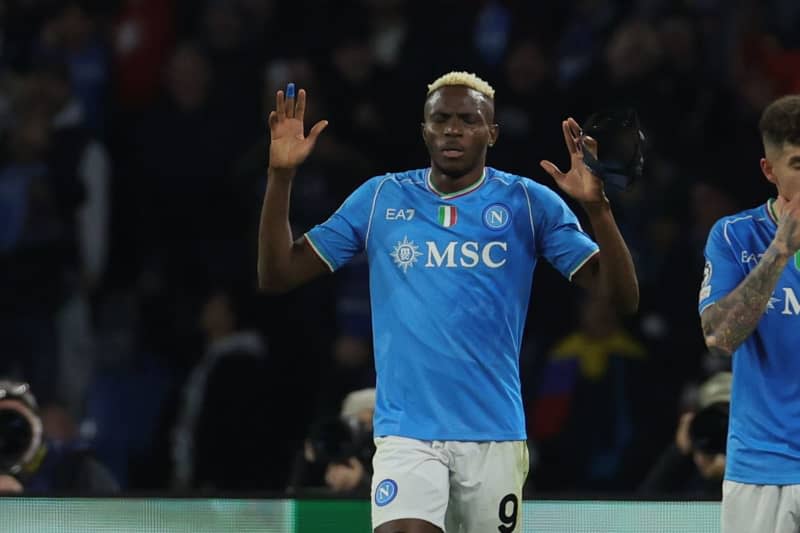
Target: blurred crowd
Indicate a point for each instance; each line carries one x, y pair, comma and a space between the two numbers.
133, 148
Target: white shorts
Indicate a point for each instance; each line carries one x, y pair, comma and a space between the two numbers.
755, 508
460, 487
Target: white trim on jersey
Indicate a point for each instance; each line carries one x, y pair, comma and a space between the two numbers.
728, 223
709, 304
580, 265
318, 252
530, 212
372, 210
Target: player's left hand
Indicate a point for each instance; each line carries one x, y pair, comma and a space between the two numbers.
579, 182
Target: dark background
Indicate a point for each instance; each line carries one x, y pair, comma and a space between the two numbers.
133, 147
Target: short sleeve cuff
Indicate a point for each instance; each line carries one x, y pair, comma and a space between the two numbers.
319, 252
581, 263
705, 306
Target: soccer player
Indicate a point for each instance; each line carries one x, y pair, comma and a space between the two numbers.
451, 251
749, 309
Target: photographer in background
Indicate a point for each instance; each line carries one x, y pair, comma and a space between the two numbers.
337, 454
693, 465
32, 462
708, 434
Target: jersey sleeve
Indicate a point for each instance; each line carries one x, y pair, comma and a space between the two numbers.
558, 234
722, 272
344, 234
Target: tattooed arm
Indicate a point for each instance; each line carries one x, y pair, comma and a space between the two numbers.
727, 323
732, 319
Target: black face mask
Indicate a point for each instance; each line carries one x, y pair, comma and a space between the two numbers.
620, 147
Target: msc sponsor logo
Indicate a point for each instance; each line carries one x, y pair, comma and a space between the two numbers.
454, 254
405, 253
791, 304
468, 254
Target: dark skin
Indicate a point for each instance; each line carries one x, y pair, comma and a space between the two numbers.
283, 264
459, 127
458, 118
458, 130
407, 525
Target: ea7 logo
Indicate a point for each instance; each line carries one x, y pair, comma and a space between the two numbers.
399, 214
751, 257
468, 255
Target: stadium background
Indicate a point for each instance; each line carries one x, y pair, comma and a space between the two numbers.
135, 251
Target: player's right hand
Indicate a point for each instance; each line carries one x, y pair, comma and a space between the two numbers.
289, 146
788, 235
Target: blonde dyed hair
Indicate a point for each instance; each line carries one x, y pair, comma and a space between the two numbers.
465, 79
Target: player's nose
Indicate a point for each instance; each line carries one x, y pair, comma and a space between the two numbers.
452, 128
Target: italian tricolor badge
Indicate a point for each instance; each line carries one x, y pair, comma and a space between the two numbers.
448, 216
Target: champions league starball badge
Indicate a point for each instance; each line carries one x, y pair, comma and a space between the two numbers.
620, 147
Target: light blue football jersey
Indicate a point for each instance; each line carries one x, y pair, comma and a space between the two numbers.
764, 428
450, 280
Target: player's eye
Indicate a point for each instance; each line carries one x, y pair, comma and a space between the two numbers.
469, 119
439, 117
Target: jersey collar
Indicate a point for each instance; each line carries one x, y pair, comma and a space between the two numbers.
456, 194
771, 210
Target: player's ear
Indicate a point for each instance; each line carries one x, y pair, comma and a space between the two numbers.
494, 133
766, 168
424, 132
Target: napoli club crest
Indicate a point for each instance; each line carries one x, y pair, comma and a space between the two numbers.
496, 217
385, 492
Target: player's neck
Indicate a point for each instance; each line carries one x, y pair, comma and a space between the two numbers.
777, 206
445, 184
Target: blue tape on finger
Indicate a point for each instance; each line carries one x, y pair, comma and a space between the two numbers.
290, 90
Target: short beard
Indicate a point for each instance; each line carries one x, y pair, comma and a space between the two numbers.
456, 173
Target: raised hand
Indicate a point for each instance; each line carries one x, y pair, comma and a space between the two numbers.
289, 146
579, 182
